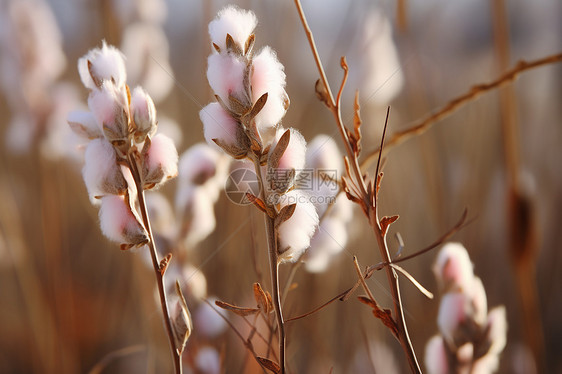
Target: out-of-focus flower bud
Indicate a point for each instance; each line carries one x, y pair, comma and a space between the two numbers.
323, 153
143, 113
208, 322
208, 360
102, 64
436, 356
453, 268
329, 239
84, 124
118, 223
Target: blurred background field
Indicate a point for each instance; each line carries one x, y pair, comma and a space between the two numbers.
69, 297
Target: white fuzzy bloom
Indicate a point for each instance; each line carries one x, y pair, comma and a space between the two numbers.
208, 322
107, 64
160, 161
84, 124
268, 77
454, 309
171, 129
497, 335
294, 155
296, 232
218, 124
197, 213
230, 20
143, 113
146, 11
161, 213
225, 73
208, 360
101, 173
323, 153
453, 267
118, 223
147, 51
479, 301
110, 107
436, 356
330, 239
194, 281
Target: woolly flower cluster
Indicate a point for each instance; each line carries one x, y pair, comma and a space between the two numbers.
125, 155
323, 156
245, 120
471, 338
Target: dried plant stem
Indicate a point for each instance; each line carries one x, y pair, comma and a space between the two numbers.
361, 191
155, 263
273, 265
473, 93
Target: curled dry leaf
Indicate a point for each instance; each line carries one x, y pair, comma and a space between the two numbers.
238, 310
269, 365
322, 93
386, 222
285, 213
263, 299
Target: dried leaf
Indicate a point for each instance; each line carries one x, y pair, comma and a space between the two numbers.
385, 315
232, 150
365, 300
248, 47
357, 123
97, 82
217, 48
164, 263
256, 201
285, 213
237, 106
258, 106
261, 299
386, 222
279, 150
182, 324
241, 311
322, 92
232, 46
269, 365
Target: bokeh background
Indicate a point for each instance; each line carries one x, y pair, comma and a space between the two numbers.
69, 297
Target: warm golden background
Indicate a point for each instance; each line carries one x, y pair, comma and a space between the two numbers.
69, 297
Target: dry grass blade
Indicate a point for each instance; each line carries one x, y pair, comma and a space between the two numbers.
411, 278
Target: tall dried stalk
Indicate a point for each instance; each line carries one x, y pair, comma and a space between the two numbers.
159, 268
363, 194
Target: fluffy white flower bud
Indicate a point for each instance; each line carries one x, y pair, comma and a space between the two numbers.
294, 155
160, 161
453, 267
436, 356
207, 321
105, 64
323, 153
143, 113
218, 124
101, 173
236, 22
118, 223
225, 73
268, 77
109, 104
84, 124
197, 213
296, 232
329, 239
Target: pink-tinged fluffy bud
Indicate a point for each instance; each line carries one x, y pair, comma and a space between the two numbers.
296, 232
197, 214
479, 301
106, 64
329, 239
208, 360
161, 213
118, 223
497, 333
160, 161
109, 104
194, 281
294, 155
323, 153
268, 77
453, 267
143, 113
236, 22
218, 124
102, 175
84, 124
225, 73
454, 309
436, 356
207, 321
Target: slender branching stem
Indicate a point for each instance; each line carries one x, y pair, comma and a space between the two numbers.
155, 262
273, 263
369, 209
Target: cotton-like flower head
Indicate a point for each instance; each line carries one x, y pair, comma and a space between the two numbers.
436, 356
497, 330
101, 173
102, 64
294, 155
197, 214
454, 310
329, 239
225, 73
161, 213
147, 51
207, 321
268, 76
109, 105
145, 11
160, 161
84, 124
453, 267
323, 153
119, 223
239, 24
143, 113
219, 125
479, 301
296, 232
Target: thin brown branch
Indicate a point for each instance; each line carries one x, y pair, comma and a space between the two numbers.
155, 263
472, 94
